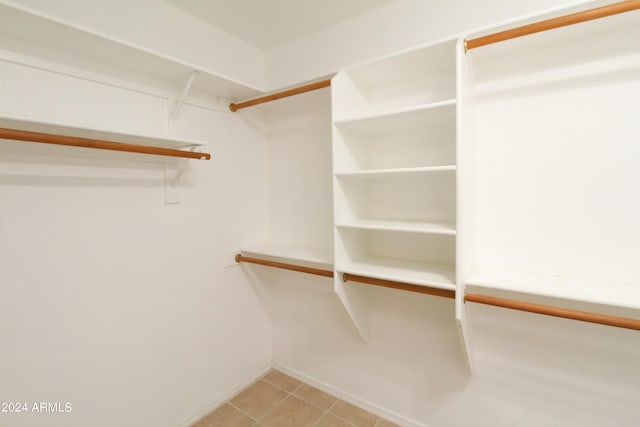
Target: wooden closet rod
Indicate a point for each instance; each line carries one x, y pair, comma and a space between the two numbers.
549, 24
308, 270
290, 92
346, 277
72, 141
566, 313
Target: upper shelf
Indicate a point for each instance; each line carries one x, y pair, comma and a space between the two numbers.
393, 117
427, 227
584, 290
44, 32
576, 53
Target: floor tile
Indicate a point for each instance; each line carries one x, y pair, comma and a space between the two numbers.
384, 423
259, 399
353, 414
314, 396
331, 421
280, 380
293, 412
225, 416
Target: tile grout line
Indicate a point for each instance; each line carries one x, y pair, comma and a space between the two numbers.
301, 383
256, 420
337, 416
324, 412
242, 412
289, 394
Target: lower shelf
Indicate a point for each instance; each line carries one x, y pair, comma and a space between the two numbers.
289, 253
584, 290
418, 273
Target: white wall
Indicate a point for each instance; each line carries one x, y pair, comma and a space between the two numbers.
299, 150
112, 300
159, 27
529, 370
396, 26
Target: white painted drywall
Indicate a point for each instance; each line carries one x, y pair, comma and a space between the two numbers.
110, 299
299, 151
529, 370
162, 28
391, 28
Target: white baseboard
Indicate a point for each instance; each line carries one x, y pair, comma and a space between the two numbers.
350, 398
220, 400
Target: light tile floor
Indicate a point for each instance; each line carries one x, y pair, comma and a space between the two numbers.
277, 400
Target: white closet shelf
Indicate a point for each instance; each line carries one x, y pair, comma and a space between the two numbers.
433, 227
399, 270
390, 113
31, 125
396, 171
583, 290
44, 31
416, 120
291, 254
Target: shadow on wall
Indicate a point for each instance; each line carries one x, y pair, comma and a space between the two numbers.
571, 372
411, 363
34, 164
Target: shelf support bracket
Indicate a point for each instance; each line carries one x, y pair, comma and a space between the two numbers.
183, 95
181, 167
352, 304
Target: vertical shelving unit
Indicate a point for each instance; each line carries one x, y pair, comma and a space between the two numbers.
394, 151
466, 154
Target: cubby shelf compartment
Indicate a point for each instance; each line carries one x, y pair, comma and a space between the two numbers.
418, 138
404, 226
603, 292
295, 254
421, 198
421, 76
417, 273
396, 171
417, 258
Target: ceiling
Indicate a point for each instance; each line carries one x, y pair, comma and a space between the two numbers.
268, 23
